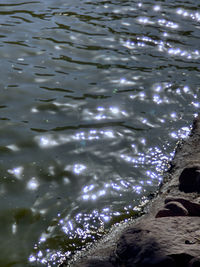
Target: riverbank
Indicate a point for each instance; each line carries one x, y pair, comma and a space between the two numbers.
169, 234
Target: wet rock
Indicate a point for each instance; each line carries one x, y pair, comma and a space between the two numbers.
192, 207
97, 263
167, 213
172, 209
189, 180
195, 262
156, 239
182, 259
165, 261
131, 244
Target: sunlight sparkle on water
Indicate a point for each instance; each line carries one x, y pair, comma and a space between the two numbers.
109, 134
186, 89
168, 24
32, 184
79, 168
86, 197
157, 99
173, 115
32, 258
88, 188
100, 108
14, 228
114, 110
156, 8
137, 189
93, 197
105, 218
128, 44
145, 20
183, 53
195, 104
185, 13
46, 141
13, 147
34, 110
17, 172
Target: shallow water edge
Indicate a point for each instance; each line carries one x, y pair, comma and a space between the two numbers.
175, 211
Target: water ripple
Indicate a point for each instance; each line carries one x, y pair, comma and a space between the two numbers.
95, 96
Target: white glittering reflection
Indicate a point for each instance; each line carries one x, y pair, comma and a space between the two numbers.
48, 258
114, 110
145, 20
176, 51
33, 184
168, 24
116, 187
52, 140
153, 158
17, 172
95, 135
32, 258
13, 147
34, 110
42, 80
79, 168
103, 113
195, 104
83, 228
188, 14
157, 8
123, 82
157, 99
181, 133
161, 45
76, 168
123, 9
46, 141
14, 228
20, 59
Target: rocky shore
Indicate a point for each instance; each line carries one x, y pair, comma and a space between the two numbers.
169, 234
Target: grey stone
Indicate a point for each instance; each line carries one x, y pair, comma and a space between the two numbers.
165, 261
195, 262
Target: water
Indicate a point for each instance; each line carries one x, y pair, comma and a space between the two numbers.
94, 97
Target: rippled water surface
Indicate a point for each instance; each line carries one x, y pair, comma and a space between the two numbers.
94, 97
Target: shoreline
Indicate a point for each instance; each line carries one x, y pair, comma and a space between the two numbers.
169, 233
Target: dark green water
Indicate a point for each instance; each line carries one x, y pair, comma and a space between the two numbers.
94, 97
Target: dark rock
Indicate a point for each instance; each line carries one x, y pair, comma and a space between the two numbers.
192, 207
166, 213
182, 259
96, 263
189, 180
195, 262
177, 208
158, 238
172, 209
188, 242
165, 261
131, 244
